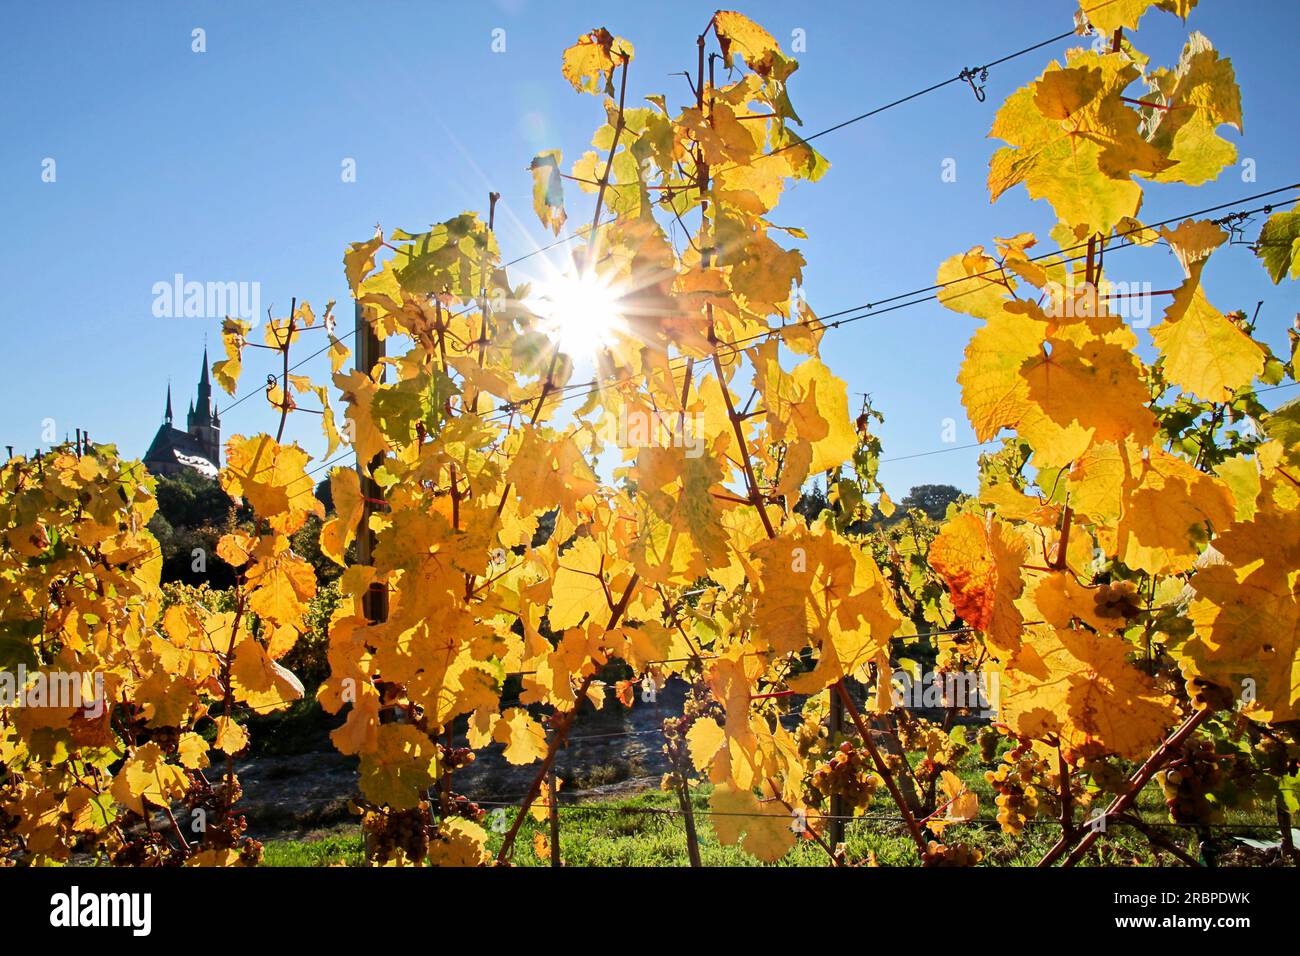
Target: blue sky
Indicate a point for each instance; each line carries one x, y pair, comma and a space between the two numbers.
225, 166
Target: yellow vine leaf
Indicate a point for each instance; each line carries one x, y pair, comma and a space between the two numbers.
1075, 143
459, 842
1107, 16
271, 477
146, 779
972, 282
739, 34
1167, 504
549, 473
589, 64
236, 548
1278, 245
548, 190
524, 738
231, 738
1247, 615
193, 751
962, 804
815, 590
1200, 94
1203, 351
580, 586
980, 560
279, 588
359, 260
402, 766
763, 830
259, 681
1063, 683
234, 333
341, 530
704, 739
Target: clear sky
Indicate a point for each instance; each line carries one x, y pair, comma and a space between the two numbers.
226, 166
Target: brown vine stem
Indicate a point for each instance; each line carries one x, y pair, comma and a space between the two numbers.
284, 381
609, 166
176, 828
1063, 545
1067, 795
864, 732
751, 483
563, 725
1123, 801
688, 821
228, 700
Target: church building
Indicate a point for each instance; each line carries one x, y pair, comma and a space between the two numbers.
199, 446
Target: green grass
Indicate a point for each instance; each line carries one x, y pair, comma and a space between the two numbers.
626, 832
343, 846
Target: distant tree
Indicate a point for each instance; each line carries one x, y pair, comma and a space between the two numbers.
932, 499
306, 544
545, 528
812, 502
190, 500
193, 511
325, 495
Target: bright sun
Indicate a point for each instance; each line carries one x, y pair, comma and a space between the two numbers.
580, 312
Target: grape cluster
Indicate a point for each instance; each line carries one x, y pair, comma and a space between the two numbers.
956, 656
223, 830
1118, 600
404, 832
848, 775
951, 854
811, 737
148, 849
460, 805
455, 758
988, 739
250, 852
1189, 783
941, 751
1106, 776
1276, 756
698, 705
1018, 799
1205, 693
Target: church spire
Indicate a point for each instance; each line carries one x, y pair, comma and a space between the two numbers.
167, 416
203, 403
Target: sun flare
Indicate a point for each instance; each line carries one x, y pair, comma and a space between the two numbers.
580, 312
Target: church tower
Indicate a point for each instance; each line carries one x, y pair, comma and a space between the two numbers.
197, 448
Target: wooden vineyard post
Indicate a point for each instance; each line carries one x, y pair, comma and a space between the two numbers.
370, 349
835, 724
554, 813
